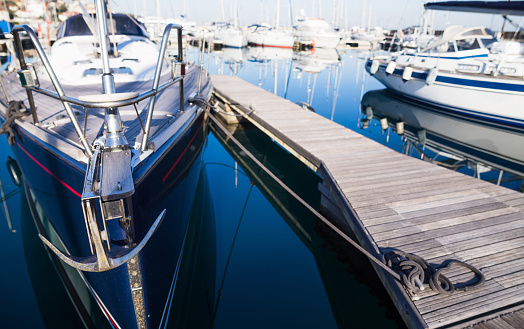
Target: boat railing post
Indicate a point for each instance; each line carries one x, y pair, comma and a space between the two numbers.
203, 49
23, 66
2, 82
47, 65
181, 60
156, 79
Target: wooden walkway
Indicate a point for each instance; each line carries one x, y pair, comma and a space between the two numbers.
392, 201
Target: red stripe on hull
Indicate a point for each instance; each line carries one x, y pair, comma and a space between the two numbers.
49, 172
181, 155
271, 46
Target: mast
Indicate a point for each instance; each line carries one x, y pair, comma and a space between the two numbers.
333, 17
290, 14
277, 19
261, 18
236, 13
223, 12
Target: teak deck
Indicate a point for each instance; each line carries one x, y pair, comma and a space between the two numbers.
392, 201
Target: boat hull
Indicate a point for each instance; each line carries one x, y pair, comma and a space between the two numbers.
495, 147
319, 40
232, 38
485, 99
167, 180
277, 40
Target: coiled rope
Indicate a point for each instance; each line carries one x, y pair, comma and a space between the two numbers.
15, 110
397, 264
415, 270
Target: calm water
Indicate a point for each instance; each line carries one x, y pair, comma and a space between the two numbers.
260, 259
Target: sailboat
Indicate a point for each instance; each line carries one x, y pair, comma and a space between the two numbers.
316, 31
231, 35
107, 131
264, 36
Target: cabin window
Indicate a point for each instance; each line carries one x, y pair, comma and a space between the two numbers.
508, 70
468, 44
122, 24
468, 68
488, 42
116, 70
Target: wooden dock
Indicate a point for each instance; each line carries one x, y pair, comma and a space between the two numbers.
392, 201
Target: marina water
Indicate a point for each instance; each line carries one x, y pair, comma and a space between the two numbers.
260, 259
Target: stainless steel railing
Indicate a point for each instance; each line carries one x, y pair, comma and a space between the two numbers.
67, 100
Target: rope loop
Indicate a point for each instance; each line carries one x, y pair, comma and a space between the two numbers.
413, 268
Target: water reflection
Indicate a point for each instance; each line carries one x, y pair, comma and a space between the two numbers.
342, 289
266, 54
454, 142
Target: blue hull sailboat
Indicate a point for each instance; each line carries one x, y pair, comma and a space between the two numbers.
107, 131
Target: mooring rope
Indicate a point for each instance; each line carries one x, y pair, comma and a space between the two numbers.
405, 268
414, 271
217, 110
204, 104
15, 110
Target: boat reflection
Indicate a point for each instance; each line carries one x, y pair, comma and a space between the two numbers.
341, 288
310, 61
451, 141
234, 58
265, 54
316, 60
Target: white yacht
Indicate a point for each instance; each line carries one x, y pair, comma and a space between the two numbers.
231, 36
264, 36
317, 32
466, 71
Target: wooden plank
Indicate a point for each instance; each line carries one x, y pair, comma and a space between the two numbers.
395, 201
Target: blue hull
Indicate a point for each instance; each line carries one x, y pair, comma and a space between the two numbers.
168, 180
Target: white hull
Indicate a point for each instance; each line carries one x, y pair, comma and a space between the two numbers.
481, 97
319, 40
232, 38
278, 39
316, 32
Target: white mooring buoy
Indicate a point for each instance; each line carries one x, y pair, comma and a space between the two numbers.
374, 67
391, 67
408, 71
432, 76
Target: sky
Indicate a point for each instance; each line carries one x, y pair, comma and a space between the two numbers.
389, 14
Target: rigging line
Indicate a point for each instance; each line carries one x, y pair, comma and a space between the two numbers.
9, 195
298, 198
229, 257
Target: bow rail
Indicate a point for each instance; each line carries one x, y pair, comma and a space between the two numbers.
177, 68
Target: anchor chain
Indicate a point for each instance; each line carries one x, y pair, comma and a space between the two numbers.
15, 110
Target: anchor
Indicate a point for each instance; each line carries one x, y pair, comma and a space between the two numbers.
109, 181
103, 260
